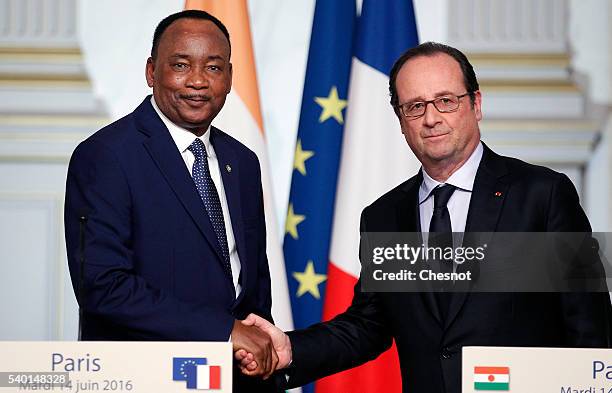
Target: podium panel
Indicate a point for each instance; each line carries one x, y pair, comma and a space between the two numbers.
115, 367
542, 370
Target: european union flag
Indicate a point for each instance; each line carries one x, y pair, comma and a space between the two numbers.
317, 155
184, 369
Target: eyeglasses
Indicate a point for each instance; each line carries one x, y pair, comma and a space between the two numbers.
444, 104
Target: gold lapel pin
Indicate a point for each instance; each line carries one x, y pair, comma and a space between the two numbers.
498, 193
228, 168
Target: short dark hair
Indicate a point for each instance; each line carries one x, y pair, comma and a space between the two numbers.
432, 49
187, 14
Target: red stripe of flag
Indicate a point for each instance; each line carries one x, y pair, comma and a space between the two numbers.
215, 377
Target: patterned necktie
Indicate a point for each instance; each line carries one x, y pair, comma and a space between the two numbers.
208, 192
440, 235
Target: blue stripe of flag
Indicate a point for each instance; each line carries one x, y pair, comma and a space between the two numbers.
385, 30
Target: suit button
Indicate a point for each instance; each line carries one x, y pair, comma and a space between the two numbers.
445, 353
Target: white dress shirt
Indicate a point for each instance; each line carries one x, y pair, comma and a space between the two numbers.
459, 202
183, 139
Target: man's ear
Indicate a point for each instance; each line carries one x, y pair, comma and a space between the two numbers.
478, 105
150, 71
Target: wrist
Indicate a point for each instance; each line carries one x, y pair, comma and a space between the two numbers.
289, 351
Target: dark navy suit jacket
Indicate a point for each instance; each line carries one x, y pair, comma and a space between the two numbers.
152, 265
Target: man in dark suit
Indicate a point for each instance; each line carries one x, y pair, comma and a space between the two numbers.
463, 186
165, 228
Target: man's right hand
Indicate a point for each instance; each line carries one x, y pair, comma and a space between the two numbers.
281, 342
258, 344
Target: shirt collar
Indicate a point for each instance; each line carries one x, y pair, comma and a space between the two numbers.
463, 178
182, 137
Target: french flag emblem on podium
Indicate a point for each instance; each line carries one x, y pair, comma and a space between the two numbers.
208, 377
197, 373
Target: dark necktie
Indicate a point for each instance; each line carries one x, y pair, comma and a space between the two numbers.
440, 235
210, 197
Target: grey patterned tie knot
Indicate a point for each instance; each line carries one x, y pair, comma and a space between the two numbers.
210, 197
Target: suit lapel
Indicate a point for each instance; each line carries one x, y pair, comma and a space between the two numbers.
485, 208
488, 194
163, 151
230, 174
408, 209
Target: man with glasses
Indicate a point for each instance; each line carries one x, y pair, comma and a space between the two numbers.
463, 186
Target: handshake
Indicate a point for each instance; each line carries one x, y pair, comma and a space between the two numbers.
260, 347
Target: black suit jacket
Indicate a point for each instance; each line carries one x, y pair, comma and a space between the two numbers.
534, 199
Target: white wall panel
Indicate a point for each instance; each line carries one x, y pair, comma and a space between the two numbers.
38, 303
30, 267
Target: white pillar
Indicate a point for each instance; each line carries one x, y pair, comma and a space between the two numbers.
502, 26
38, 23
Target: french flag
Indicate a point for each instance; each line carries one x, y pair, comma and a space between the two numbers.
208, 377
375, 158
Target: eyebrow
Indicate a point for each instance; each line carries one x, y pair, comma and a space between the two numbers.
438, 94
186, 56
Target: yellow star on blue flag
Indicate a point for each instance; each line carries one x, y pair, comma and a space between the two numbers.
309, 281
293, 220
332, 106
299, 160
